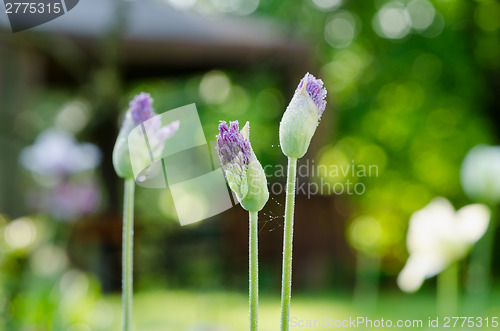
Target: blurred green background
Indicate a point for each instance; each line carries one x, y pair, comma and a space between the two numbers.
412, 86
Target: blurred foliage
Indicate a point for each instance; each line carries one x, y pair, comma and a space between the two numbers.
228, 310
39, 286
411, 88
411, 83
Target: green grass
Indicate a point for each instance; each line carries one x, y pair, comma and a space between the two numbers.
163, 310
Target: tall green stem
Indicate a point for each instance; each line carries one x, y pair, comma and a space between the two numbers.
286, 278
447, 290
367, 282
253, 262
127, 253
479, 273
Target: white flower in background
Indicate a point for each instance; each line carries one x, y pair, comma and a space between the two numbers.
480, 173
57, 153
438, 236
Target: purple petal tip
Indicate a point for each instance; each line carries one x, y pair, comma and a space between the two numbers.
141, 107
230, 143
315, 89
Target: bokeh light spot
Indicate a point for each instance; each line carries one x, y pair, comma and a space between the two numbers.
74, 285
332, 156
421, 14
341, 29
392, 21
435, 28
247, 7
327, 4
48, 260
487, 16
215, 87
73, 117
182, 4
20, 233
226, 6
365, 233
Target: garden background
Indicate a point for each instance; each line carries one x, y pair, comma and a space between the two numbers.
412, 87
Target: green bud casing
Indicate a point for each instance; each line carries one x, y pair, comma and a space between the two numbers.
257, 191
302, 116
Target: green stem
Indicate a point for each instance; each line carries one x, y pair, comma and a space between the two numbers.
127, 253
286, 279
367, 282
447, 290
478, 277
253, 262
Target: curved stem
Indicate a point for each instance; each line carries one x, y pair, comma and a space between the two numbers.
127, 253
286, 278
253, 262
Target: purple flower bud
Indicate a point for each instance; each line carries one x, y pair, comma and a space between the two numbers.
302, 116
141, 107
315, 89
232, 145
244, 173
140, 111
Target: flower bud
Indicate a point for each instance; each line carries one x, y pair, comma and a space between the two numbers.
140, 109
243, 171
302, 116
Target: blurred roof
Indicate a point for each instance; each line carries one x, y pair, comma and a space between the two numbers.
157, 34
